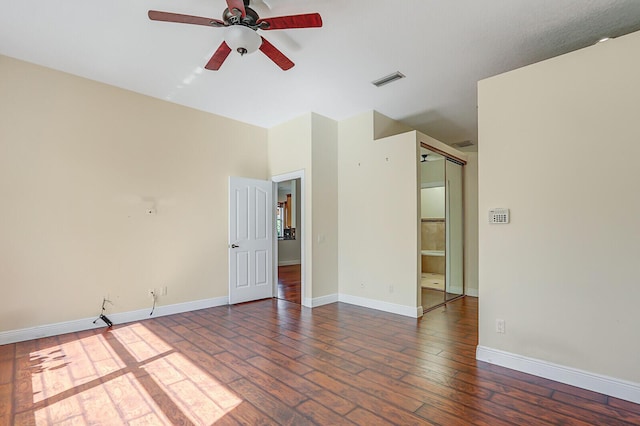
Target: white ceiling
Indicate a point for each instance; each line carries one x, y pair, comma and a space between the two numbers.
443, 47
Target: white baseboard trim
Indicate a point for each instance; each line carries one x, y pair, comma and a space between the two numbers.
629, 391
319, 301
289, 262
407, 311
13, 336
473, 292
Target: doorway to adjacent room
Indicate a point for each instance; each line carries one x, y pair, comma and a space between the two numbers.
289, 231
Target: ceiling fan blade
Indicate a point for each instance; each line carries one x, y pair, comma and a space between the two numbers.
275, 55
218, 58
307, 20
237, 4
156, 15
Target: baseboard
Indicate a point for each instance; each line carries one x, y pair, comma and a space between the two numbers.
319, 301
407, 311
289, 262
73, 326
629, 391
473, 292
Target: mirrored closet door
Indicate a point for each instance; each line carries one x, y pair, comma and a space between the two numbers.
441, 229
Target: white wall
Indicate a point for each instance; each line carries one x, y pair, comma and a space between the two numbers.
80, 164
559, 143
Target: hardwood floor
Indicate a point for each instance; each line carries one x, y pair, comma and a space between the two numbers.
289, 287
274, 362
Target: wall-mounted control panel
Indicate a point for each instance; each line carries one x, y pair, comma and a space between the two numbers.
499, 215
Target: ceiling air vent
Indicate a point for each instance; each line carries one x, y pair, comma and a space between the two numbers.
388, 79
462, 144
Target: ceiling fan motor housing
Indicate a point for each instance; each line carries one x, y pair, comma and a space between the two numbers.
250, 18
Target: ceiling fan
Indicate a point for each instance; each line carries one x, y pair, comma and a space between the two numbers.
241, 23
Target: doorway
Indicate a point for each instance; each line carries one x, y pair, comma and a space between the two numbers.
289, 237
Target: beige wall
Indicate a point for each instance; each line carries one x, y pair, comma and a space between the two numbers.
289, 252
559, 147
384, 126
290, 146
325, 205
289, 150
378, 213
80, 164
309, 143
432, 202
471, 224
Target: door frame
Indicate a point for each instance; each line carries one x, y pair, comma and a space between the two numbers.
298, 174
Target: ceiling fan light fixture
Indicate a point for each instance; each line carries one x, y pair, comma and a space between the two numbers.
242, 39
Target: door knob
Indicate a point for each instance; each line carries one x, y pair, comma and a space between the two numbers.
234, 246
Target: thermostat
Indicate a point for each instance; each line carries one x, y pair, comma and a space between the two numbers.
499, 215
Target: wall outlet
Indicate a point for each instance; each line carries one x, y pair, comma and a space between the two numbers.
163, 291
500, 327
152, 293
391, 288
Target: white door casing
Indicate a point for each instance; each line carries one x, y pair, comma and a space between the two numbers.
250, 239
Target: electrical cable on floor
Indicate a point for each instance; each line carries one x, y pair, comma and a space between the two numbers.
153, 308
102, 316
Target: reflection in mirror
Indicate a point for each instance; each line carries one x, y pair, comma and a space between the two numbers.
432, 229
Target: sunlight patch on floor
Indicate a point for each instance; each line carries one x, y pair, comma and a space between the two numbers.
118, 401
127, 375
61, 368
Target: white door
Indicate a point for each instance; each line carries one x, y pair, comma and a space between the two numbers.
250, 239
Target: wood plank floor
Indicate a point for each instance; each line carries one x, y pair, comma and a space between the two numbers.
273, 362
289, 285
